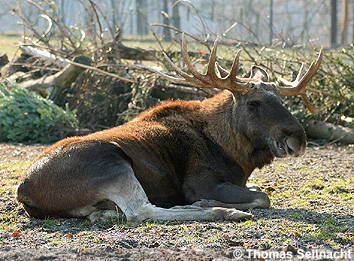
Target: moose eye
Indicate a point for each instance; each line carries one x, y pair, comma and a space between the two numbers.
254, 104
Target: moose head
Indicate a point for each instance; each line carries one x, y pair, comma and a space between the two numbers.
257, 112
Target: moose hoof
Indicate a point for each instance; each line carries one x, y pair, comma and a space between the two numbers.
263, 201
253, 187
231, 214
237, 215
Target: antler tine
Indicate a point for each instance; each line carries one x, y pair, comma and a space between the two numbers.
298, 86
187, 61
309, 106
298, 76
209, 80
212, 62
186, 79
229, 82
234, 67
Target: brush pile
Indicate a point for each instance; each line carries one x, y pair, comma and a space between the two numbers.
107, 83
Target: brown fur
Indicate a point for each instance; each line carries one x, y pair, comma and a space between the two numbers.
208, 115
180, 152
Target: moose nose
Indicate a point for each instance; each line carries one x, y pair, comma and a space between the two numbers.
295, 146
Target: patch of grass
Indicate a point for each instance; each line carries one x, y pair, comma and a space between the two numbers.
8, 226
298, 215
301, 203
297, 229
215, 238
318, 189
317, 195
110, 222
11, 173
308, 170
14, 167
50, 222
12, 221
346, 239
196, 236
328, 230
9, 217
57, 242
8, 43
279, 167
8, 221
248, 223
86, 224
285, 194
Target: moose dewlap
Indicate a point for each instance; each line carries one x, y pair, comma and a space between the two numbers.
181, 160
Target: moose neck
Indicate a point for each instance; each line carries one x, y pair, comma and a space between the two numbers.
219, 113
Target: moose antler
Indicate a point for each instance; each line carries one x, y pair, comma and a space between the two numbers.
298, 86
219, 78
212, 78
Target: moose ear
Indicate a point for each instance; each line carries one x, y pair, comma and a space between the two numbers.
259, 74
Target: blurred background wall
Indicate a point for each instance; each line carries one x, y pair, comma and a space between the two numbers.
286, 22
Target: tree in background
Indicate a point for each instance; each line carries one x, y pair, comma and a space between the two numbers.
333, 23
141, 21
345, 16
166, 32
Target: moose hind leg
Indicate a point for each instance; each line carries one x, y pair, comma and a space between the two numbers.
127, 193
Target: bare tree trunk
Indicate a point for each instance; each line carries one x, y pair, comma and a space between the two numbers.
271, 22
166, 31
344, 31
114, 10
62, 11
176, 19
241, 22
305, 29
141, 17
60, 80
333, 23
212, 10
257, 24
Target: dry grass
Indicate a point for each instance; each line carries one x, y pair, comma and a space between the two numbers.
9, 43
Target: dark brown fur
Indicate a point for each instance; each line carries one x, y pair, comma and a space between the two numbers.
180, 151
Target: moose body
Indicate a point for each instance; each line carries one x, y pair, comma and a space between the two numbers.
181, 160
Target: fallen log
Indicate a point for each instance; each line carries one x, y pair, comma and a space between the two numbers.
63, 61
32, 51
61, 79
328, 131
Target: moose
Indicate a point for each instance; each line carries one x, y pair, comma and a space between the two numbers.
180, 160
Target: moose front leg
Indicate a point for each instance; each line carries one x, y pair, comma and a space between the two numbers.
230, 196
253, 187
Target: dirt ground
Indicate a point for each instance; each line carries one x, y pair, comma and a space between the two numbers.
312, 210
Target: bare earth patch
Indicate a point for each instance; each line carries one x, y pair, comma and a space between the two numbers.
312, 208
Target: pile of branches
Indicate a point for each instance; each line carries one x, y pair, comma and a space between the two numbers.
92, 72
